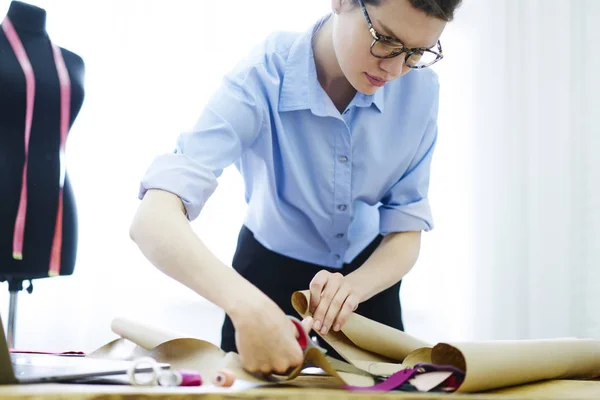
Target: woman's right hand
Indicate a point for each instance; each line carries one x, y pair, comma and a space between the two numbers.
266, 338
264, 335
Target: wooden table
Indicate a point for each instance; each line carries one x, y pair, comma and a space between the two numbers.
544, 390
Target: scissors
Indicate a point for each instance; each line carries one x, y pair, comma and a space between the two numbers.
305, 343
304, 340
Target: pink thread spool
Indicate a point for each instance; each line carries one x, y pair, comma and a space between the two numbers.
224, 378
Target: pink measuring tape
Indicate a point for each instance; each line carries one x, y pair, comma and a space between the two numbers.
65, 109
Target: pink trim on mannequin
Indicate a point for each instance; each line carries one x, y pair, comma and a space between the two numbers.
65, 111
17, 46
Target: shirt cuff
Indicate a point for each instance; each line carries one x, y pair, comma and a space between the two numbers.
410, 217
180, 175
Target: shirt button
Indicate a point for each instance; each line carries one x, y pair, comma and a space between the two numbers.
339, 235
342, 207
337, 257
343, 159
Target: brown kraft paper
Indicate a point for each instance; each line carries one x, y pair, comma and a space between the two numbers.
498, 364
183, 352
369, 345
382, 350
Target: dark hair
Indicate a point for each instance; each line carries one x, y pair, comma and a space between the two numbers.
442, 9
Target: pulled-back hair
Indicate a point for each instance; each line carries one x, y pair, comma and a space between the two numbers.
442, 9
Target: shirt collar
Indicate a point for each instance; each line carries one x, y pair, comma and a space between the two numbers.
364, 100
301, 90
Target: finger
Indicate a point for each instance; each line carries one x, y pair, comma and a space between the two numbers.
265, 369
348, 308
296, 357
286, 354
316, 287
291, 357
331, 288
280, 366
307, 324
249, 366
335, 307
293, 354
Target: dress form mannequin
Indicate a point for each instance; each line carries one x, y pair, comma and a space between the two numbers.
34, 98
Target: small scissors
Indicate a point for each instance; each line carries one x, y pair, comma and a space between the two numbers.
304, 340
305, 343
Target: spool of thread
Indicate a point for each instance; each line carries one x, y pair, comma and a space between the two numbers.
190, 378
180, 377
170, 378
133, 370
224, 378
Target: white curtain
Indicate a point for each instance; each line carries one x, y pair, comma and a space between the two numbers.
519, 161
514, 187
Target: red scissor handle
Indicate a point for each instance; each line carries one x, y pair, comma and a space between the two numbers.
302, 335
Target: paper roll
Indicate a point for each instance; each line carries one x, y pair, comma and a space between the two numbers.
369, 345
497, 364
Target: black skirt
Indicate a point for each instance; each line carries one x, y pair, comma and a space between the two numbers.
279, 276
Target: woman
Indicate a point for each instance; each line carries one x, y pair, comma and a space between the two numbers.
334, 139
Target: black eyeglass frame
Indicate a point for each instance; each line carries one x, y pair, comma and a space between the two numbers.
409, 52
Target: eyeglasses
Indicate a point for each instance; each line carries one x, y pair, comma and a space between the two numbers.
389, 47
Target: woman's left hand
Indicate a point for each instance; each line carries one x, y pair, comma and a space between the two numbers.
332, 301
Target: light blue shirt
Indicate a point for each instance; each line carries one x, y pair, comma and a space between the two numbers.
319, 184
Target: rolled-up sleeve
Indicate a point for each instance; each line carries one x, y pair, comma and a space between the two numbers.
405, 207
229, 123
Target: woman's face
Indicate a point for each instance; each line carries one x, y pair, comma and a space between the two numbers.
352, 39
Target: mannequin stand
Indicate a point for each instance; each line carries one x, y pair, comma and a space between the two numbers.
14, 287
